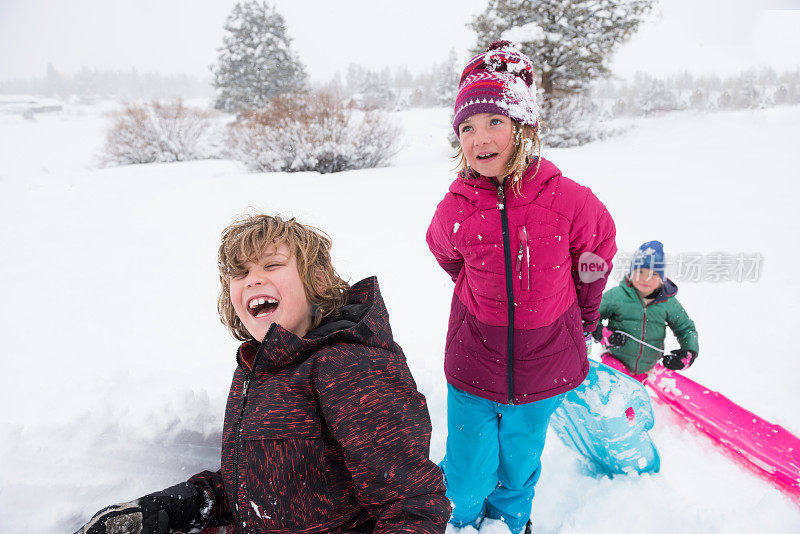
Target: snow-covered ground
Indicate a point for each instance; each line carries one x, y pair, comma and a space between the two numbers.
115, 367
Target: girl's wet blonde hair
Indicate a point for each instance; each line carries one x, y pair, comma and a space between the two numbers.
246, 240
527, 147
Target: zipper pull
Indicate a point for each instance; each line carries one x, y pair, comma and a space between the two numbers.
245, 387
501, 197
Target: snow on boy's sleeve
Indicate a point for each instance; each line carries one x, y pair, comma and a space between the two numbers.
440, 242
592, 238
682, 326
374, 411
608, 307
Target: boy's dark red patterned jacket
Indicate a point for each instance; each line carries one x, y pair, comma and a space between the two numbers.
327, 433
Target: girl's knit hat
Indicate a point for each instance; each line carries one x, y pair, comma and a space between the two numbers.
500, 81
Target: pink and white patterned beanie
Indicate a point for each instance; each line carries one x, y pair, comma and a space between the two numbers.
501, 81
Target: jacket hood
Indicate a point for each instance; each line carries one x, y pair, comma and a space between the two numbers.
667, 290
481, 191
363, 320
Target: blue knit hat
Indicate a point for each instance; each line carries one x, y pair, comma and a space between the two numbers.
649, 256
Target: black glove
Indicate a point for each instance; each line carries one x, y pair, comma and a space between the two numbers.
679, 359
616, 339
180, 507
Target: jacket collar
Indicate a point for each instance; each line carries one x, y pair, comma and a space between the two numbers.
482, 191
667, 290
363, 320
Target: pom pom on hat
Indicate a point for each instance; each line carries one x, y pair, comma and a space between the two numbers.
500, 80
509, 59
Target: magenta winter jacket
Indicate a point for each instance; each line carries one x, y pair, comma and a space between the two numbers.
499, 247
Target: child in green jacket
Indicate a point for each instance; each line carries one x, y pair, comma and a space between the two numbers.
638, 310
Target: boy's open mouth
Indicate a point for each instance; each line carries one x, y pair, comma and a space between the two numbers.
487, 156
261, 306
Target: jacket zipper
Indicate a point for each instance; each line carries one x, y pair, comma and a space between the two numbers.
501, 205
240, 422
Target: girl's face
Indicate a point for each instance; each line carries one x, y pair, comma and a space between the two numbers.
271, 291
487, 141
645, 281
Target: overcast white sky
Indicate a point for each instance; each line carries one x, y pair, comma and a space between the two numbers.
181, 36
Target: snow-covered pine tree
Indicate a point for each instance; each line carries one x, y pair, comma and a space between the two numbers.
378, 91
256, 61
448, 73
53, 82
569, 41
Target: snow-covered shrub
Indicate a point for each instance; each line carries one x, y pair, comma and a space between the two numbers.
748, 97
725, 100
159, 132
571, 120
698, 99
781, 96
619, 108
312, 132
657, 98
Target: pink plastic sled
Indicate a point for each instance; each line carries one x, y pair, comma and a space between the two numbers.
769, 450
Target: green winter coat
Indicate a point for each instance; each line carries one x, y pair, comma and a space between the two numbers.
626, 311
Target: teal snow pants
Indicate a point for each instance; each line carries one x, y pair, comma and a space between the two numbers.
493, 457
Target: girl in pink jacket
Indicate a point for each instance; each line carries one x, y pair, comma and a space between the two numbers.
530, 252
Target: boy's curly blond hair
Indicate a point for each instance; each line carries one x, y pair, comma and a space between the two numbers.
246, 240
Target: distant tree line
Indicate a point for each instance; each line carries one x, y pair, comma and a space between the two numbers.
358, 87
398, 88
648, 95
394, 89
92, 85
